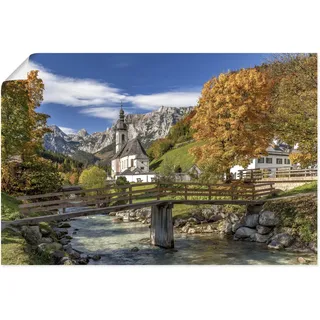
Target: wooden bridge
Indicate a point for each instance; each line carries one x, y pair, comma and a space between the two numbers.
160, 196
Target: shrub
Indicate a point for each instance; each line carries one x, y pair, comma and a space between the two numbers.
32, 177
93, 178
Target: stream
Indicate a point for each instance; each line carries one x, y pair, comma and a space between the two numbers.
114, 241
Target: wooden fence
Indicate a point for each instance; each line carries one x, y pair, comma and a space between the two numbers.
142, 192
259, 174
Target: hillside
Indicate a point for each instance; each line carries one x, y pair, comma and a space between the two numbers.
178, 156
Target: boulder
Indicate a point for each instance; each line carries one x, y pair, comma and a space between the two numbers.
64, 241
58, 255
111, 214
268, 219
262, 238
251, 220
178, 223
49, 247
244, 232
65, 261
313, 247
208, 229
32, 234
185, 229
135, 249
60, 232
132, 214
236, 226
45, 232
96, 257
143, 212
302, 260
275, 245
191, 230
192, 220
263, 229
283, 239
64, 225
225, 227
82, 261
215, 218
233, 218
74, 254
46, 240
206, 212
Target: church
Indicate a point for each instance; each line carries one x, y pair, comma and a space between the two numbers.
130, 159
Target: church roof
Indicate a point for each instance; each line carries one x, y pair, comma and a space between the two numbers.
132, 147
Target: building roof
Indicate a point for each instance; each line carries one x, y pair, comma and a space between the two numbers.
278, 149
132, 147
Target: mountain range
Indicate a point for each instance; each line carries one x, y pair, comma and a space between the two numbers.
147, 127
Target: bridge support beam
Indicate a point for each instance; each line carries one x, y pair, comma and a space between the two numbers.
161, 231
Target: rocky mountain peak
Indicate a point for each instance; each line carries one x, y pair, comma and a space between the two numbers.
82, 133
147, 127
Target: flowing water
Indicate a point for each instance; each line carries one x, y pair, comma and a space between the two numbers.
114, 241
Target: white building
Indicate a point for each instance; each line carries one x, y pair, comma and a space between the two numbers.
278, 157
130, 160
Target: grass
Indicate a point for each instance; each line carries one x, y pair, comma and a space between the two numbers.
298, 215
179, 156
9, 207
14, 249
306, 188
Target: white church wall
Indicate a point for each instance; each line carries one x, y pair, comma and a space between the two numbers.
135, 177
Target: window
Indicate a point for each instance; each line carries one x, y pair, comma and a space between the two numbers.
268, 160
131, 162
123, 138
142, 168
261, 160
287, 161
279, 161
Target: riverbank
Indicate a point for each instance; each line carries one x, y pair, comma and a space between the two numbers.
286, 224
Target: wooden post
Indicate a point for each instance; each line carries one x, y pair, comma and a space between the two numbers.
253, 192
64, 198
161, 231
251, 175
158, 195
130, 195
97, 203
185, 192
209, 187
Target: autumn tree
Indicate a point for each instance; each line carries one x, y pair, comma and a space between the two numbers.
232, 118
22, 129
294, 99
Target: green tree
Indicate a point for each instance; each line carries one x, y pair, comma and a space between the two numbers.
93, 178
294, 99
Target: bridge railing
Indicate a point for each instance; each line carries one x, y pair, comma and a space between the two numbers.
141, 192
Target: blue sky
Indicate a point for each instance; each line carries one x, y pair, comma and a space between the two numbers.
85, 90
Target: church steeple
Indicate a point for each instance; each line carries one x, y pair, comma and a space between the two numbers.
121, 131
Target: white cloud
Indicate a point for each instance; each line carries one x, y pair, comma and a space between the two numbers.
92, 95
102, 112
168, 99
68, 130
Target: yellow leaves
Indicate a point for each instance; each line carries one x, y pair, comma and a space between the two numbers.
231, 115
